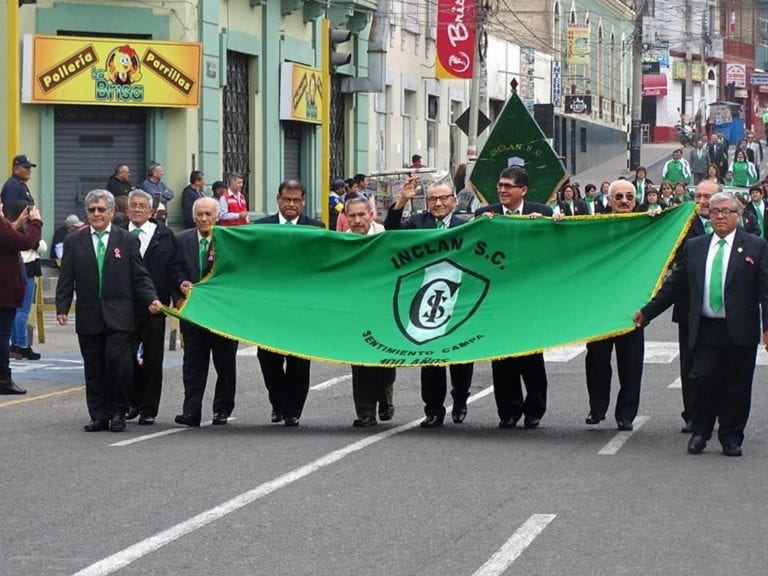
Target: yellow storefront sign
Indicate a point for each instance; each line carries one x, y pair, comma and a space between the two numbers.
112, 72
301, 93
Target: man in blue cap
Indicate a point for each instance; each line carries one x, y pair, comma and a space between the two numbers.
15, 188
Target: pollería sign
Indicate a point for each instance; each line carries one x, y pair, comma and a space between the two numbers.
112, 72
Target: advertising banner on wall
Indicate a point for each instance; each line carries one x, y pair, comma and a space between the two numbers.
578, 44
111, 72
455, 38
301, 93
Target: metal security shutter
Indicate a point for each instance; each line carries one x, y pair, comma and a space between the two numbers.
291, 150
338, 158
89, 142
236, 119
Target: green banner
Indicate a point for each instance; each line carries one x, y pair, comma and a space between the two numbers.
516, 139
488, 289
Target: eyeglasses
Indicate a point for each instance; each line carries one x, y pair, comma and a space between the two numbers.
96, 209
722, 212
444, 199
507, 186
622, 195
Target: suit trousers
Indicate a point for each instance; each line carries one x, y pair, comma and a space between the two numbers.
630, 350
148, 374
434, 383
7, 316
199, 345
725, 373
507, 388
108, 371
371, 385
287, 381
690, 384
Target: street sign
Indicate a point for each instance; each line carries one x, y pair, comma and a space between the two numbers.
758, 79
578, 104
463, 122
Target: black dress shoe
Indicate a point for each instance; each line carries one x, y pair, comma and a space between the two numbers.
219, 419
731, 449
459, 413
96, 426
594, 418
276, 416
432, 421
8, 386
365, 422
131, 413
386, 412
696, 444
507, 422
191, 420
687, 428
117, 422
291, 421
531, 422
625, 426
146, 420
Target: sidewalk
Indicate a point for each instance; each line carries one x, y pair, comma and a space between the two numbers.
652, 156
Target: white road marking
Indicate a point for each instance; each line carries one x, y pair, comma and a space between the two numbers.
516, 545
564, 354
250, 351
676, 383
618, 441
121, 559
660, 352
331, 382
160, 434
66, 368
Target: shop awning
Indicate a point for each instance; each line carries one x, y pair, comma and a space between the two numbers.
654, 85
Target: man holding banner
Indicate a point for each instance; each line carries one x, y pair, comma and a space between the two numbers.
441, 201
507, 372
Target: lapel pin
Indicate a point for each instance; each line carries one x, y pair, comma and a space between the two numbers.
739, 250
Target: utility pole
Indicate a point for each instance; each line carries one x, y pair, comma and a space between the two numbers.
14, 91
635, 136
474, 93
688, 105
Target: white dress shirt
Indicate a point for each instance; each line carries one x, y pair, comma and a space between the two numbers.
713, 246
104, 238
147, 231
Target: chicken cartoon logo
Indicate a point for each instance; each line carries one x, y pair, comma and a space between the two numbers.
123, 65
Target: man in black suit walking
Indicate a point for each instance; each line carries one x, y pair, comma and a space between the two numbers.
103, 264
441, 202
287, 377
194, 253
157, 245
726, 277
507, 372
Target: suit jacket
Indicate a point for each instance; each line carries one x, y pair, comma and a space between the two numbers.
125, 279
163, 267
579, 208
425, 220
528, 208
750, 209
188, 257
699, 166
718, 154
303, 220
745, 295
680, 310
188, 197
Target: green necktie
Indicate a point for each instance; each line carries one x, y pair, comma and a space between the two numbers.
441, 224
136, 231
289, 222
707, 227
716, 279
101, 250
760, 217
203, 254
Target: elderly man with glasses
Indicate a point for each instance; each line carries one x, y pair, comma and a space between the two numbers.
441, 202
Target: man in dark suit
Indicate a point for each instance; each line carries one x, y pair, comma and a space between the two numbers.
441, 202
194, 254
757, 208
507, 372
157, 246
195, 190
726, 277
630, 348
103, 264
287, 377
718, 154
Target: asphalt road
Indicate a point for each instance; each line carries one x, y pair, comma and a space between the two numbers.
255, 498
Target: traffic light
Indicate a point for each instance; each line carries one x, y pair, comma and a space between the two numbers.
336, 37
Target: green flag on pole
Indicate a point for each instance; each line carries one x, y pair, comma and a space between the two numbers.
516, 139
485, 290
